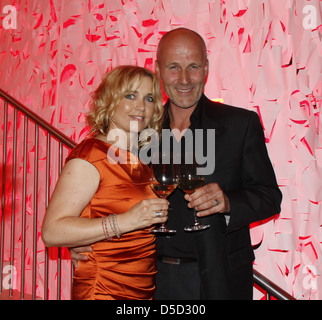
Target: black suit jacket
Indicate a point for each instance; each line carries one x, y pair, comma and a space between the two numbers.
244, 172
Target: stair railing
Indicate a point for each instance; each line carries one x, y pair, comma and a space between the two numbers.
26, 157
270, 289
33, 154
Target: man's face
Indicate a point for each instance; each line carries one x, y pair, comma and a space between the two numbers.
183, 68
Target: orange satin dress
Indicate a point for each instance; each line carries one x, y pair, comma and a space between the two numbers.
123, 268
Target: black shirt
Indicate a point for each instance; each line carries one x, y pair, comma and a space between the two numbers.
182, 244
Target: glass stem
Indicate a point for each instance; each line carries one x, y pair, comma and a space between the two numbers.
195, 216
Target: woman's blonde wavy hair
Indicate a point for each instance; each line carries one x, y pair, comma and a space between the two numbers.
118, 83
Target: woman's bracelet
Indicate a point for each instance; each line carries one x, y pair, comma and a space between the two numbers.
105, 229
112, 219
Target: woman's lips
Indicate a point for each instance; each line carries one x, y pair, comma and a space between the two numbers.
137, 118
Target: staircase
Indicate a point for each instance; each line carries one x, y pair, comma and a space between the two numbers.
32, 154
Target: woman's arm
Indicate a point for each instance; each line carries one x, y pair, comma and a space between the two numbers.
75, 188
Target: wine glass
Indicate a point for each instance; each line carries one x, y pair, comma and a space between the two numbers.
163, 182
189, 182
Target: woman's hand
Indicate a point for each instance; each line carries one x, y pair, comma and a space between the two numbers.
143, 215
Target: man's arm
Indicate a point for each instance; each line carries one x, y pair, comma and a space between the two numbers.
258, 199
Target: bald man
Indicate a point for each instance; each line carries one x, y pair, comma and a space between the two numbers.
215, 263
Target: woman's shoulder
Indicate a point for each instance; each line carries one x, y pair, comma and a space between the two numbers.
90, 149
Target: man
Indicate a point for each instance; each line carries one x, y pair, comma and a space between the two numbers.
215, 263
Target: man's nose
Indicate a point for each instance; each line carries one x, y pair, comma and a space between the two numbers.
184, 77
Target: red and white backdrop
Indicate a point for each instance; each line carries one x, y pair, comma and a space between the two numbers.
265, 55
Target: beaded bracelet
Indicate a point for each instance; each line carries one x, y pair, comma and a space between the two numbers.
112, 219
105, 229
114, 226
118, 233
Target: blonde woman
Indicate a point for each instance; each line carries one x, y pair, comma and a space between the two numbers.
109, 205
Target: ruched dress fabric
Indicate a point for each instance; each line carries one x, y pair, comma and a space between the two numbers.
125, 268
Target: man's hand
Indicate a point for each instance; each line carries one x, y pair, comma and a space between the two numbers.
76, 254
208, 200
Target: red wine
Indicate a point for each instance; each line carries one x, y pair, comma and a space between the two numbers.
191, 185
163, 190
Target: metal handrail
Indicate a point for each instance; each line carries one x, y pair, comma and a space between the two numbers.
268, 286
41, 122
55, 146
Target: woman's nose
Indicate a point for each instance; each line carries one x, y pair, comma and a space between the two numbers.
140, 105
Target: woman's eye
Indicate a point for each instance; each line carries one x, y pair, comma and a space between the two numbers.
130, 96
150, 99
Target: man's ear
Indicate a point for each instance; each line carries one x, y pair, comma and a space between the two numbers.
207, 67
157, 67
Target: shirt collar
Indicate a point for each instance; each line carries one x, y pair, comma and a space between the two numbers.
195, 118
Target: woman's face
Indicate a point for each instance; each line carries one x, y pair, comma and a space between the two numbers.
134, 111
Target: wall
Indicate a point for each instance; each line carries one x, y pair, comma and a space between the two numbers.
265, 55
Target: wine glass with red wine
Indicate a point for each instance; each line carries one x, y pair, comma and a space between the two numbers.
189, 181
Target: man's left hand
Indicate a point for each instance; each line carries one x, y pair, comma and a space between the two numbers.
208, 200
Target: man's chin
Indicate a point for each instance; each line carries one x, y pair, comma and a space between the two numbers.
185, 105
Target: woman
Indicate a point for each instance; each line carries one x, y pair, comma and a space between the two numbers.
109, 204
